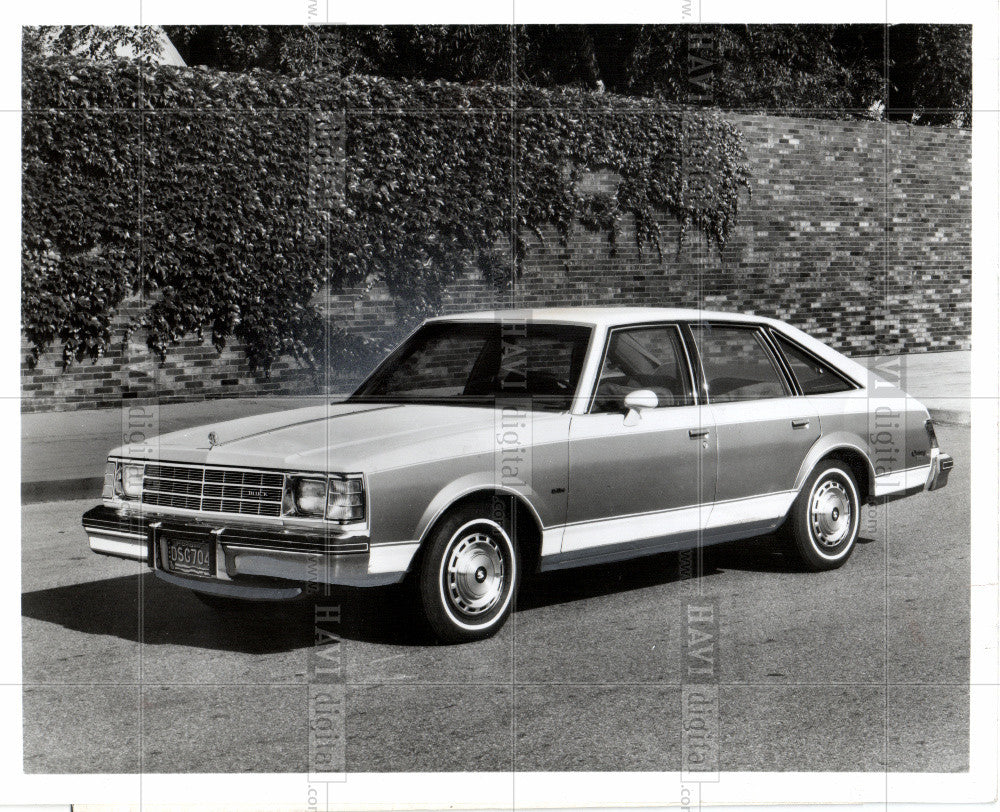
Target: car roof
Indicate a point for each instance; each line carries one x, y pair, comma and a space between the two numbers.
604, 316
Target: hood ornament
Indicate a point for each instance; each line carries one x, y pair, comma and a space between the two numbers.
213, 439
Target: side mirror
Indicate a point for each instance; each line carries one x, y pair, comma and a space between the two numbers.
636, 401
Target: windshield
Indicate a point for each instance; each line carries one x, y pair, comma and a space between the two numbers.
475, 363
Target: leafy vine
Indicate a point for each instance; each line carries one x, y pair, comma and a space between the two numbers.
198, 190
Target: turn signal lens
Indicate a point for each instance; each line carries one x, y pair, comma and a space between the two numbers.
110, 471
310, 497
347, 501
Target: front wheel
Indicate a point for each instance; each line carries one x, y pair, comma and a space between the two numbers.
822, 527
468, 576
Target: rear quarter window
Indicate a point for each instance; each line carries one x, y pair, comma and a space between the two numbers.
815, 377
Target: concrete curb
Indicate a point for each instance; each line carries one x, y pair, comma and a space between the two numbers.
951, 417
61, 490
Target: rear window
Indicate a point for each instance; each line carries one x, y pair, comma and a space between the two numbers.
814, 376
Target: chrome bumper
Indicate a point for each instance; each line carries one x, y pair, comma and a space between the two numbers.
941, 465
250, 561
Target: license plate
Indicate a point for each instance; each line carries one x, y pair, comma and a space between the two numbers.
190, 557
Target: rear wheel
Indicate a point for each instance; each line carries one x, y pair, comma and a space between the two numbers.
468, 575
822, 527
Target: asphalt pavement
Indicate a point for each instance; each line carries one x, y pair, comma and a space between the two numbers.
865, 668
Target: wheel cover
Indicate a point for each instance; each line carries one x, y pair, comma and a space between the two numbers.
474, 574
830, 514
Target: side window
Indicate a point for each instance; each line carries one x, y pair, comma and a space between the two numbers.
814, 377
643, 358
737, 363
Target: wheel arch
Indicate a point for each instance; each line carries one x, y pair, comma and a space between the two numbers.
526, 518
846, 449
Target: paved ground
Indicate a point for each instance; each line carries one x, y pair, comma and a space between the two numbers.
942, 381
864, 668
63, 453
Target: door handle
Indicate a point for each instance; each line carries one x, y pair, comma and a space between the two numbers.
695, 433
800, 424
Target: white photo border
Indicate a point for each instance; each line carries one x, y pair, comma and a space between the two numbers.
535, 790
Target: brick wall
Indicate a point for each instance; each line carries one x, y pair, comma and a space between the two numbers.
857, 232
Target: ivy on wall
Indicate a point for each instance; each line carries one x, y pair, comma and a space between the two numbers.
199, 190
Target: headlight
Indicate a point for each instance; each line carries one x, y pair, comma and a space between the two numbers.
310, 497
123, 480
347, 500
339, 498
132, 481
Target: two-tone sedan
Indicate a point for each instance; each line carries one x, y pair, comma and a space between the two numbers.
490, 445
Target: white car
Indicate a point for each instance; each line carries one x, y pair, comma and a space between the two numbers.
491, 444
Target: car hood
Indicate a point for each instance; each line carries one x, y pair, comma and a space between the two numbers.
343, 437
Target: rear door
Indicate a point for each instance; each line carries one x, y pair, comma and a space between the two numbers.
764, 430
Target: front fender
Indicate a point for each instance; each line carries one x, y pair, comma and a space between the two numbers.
472, 483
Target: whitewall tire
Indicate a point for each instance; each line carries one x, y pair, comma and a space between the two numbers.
823, 525
468, 574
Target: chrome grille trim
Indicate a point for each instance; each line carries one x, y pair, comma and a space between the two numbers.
236, 491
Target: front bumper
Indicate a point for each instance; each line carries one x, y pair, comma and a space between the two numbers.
249, 561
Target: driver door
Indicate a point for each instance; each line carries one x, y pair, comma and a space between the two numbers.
646, 483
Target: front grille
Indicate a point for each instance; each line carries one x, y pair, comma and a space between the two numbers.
218, 490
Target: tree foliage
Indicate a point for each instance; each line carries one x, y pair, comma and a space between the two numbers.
779, 68
931, 74
829, 70
143, 43
919, 73
197, 189
289, 49
171, 189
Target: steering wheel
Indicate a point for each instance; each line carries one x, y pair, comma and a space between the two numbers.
545, 383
